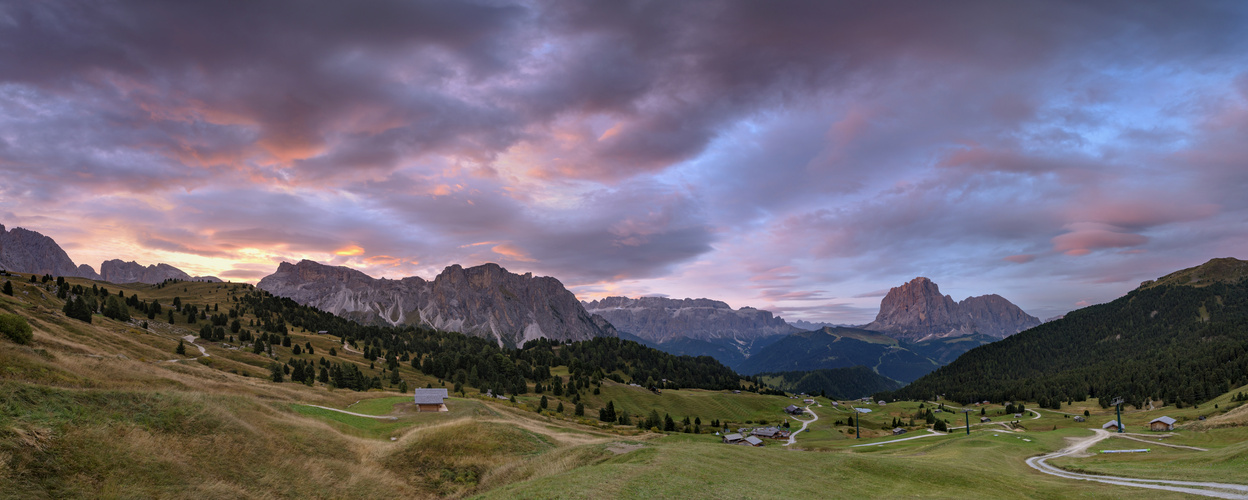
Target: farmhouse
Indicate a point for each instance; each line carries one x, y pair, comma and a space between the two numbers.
733, 438
984, 419
898, 431
753, 441
808, 401
767, 432
771, 432
431, 400
1161, 424
794, 410
1079, 419
1111, 425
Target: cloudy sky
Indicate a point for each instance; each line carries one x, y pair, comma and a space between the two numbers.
801, 157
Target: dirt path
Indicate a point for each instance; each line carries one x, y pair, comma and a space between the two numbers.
1209, 489
190, 339
1142, 440
379, 417
930, 434
793, 436
347, 347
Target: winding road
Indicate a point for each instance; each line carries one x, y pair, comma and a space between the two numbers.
793, 436
881, 443
1208, 489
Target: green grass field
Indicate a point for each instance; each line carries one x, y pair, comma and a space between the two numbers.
98, 411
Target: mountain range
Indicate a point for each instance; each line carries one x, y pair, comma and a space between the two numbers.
486, 301
916, 311
1179, 338
26, 251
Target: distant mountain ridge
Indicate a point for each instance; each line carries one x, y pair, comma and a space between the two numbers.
660, 319
1180, 338
26, 251
486, 301
916, 311
118, 271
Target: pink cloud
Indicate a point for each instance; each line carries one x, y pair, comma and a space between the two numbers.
1086, 237
1021, 258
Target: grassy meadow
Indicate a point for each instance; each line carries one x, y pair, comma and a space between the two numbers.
108, 410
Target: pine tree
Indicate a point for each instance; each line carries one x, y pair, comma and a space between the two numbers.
558, 408
580, 410
543, 403
669, 425
181, 350
8, 287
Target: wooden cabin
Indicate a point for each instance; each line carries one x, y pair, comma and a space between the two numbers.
431, 400
1162, 424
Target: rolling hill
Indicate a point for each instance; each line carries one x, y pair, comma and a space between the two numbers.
1183, 338
842, 347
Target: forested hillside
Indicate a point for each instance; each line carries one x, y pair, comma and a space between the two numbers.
479, 362
1177, 343
839, 347
837, 383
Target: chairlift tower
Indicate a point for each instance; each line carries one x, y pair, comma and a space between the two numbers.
1117, 402
967, 412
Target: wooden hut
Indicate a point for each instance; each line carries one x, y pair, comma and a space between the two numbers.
1162, 424
431, 400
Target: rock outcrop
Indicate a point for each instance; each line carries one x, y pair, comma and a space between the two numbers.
26, 251
660, 319
485, 300
916, 311
118, 271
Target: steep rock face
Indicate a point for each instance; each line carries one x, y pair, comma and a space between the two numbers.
916, 311
660, 319
118, 271
485, 300
26, 251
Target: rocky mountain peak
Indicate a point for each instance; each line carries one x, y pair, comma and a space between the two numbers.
661, 319
27, 251
917, 311
485, 300
119, 271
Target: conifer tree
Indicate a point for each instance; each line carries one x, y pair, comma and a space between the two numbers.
543, 403
8, 287
580, 410
181, 348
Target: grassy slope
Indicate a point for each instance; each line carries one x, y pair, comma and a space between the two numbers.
97, 410
91, 411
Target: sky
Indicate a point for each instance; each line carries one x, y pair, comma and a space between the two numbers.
799, 157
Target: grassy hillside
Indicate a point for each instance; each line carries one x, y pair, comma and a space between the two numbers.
1175, 343
108, 409
839, 347
837, 383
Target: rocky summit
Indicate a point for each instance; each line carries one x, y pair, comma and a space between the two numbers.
916, 311
660, 319
485, 300
26, 251
118, 271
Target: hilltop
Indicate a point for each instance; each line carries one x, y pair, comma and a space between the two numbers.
1179, 340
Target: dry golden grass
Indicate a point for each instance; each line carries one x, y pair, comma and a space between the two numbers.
98, 410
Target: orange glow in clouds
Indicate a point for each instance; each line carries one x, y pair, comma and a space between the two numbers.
350, 251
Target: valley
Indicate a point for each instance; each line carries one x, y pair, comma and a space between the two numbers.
224, 427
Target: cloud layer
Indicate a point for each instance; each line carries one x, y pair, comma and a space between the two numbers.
796, 156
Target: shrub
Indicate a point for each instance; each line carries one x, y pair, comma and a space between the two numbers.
15, 328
